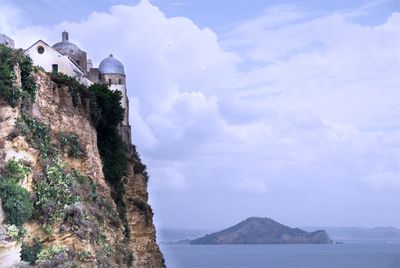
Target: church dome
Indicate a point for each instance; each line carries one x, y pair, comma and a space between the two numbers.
111, 65
67, 48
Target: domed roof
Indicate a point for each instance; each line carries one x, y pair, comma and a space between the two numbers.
111, 65
67, 48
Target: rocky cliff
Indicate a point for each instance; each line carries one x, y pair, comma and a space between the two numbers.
263, 231
49, 154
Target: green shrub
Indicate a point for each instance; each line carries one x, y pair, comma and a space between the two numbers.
85, 256
75, 89
16, 202
81, 179
138, 166
8, 90
107, 114
29, 86
69, 142
15, 232
107, 249
55, 256
29, 253
17, 205
37, 134
47, 229
54, 192
15, 171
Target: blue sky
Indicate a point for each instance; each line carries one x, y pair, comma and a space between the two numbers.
289, 110
206, 13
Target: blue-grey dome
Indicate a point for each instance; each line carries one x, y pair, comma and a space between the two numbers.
111, 65
65, 47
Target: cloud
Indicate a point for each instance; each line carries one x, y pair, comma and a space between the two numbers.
9, 17
285, 102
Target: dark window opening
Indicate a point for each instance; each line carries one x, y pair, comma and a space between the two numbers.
99, 76
55, 68
109, 81
40, 49
78, 63
120, 81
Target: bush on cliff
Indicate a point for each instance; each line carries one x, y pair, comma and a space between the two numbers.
9, 58
54, 192
16, 200
107, 114
37, 134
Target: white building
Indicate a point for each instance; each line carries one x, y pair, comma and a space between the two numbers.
5, 40
53, 61
67, 58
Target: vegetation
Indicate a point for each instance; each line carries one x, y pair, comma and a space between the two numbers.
29, 253
16, 202
108, 115
61, 196
55, 256
138, 166
85, 256
54, 192
105, 245
76, 89
37, 134
13, 94
69, 142
15, 232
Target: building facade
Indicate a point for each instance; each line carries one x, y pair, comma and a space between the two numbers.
67, 58
5, 40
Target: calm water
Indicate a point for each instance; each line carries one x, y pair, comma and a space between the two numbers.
283, 256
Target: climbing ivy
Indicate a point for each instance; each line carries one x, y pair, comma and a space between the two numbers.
37, 134
108, 116
69, 142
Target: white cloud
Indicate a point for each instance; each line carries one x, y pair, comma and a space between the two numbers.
9, 17
287, 101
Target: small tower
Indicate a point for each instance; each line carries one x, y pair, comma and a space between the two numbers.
112, 73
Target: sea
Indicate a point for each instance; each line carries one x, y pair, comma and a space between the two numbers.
347, 255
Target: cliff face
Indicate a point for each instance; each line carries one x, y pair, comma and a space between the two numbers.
263, 231
84, 232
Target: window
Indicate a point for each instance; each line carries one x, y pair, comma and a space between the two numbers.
55, 68
99, 77
40, 49
109, 81
120, 81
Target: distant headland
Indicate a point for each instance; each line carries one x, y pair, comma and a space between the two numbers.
256, 230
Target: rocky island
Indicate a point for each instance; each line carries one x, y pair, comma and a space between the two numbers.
256, 230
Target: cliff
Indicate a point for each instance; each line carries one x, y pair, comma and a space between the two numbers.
58, 206
263, 231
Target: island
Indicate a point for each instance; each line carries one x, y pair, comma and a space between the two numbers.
257, 230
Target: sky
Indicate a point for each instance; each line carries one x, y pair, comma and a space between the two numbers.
288, 110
